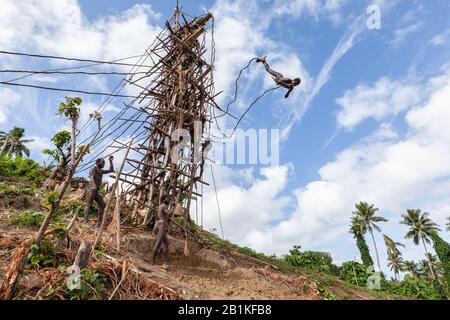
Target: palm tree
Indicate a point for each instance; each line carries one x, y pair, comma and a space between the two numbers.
412, 268
13, 143
358, 231
420, 229
436, 268
394, 256
366, 217
396, 264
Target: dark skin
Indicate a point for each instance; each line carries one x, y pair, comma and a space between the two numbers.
96, 177
161, 231
280, 79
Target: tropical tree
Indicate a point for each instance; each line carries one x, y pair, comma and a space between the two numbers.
420, 229
442, 250
366, 218
430, 267
12, 143
394, 256
61, 153
412, 268
358, 230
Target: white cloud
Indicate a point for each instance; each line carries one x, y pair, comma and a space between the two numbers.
38, 144
385, 98
401, 34
8, 99
248, 208
314, 8
441, 38
60, 28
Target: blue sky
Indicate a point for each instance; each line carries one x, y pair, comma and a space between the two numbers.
369, 122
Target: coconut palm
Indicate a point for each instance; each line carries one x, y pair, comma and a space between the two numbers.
396, 264
394, 256
358, 230
436, 268
13, 143
366, 218
412, 268
420, 229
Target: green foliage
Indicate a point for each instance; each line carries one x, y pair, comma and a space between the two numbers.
22, 168
365, 217
77, 207
354, 273
62, 143
316, 261
93, 286
442, 249
43, 255
419, 289
28, 219
420, 226
361, 243
12, 144
52, 198
13, 191
70, 109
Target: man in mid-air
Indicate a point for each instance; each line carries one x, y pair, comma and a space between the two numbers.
280, 79
96, 175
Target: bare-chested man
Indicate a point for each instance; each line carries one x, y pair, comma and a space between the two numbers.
280, 79
96, 176
161, 229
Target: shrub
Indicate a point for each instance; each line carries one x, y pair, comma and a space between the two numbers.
12, 191
442, 249
415, 288
354, 273
23, 168
42, 255
316, 261
28, 219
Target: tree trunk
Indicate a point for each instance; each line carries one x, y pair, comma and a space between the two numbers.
429, 260
73, 143
84, 252
376, 251
4, 146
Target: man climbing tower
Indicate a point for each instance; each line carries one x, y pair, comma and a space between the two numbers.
161, 229
280, 79
96, 175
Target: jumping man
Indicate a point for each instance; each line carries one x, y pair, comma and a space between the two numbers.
280, 79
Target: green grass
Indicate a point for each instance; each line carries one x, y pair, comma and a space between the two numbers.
13, 191
28, 219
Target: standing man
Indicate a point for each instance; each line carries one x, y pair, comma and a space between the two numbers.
96, 175
280, 79
161, 229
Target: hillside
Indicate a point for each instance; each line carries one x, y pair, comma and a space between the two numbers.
212, 269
